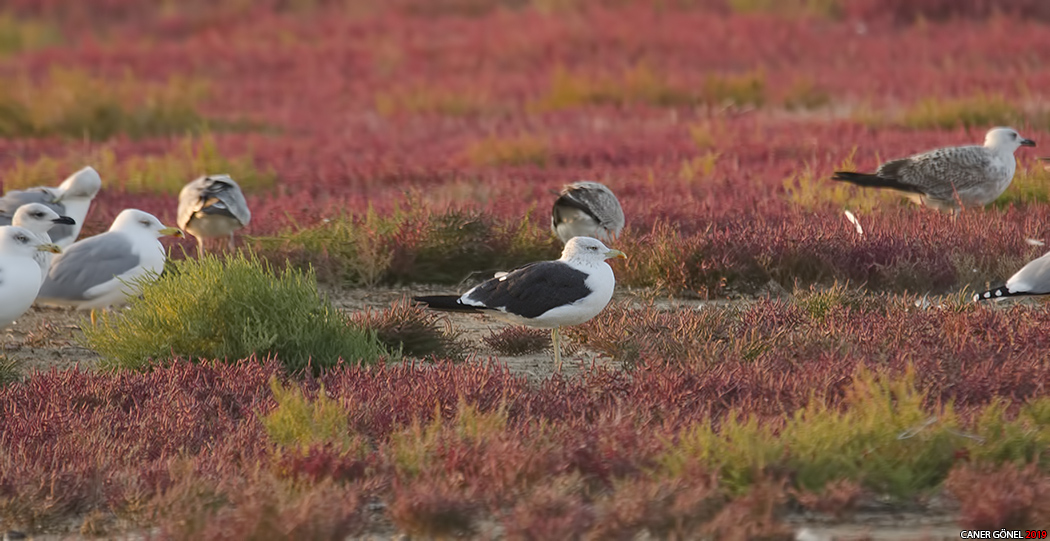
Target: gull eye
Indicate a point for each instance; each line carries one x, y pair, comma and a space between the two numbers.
21, 238
38, 214
146, 223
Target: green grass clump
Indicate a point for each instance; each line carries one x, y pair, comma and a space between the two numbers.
414, 246
884, 438
298, 421
10, 370
424, 99
978, 112
165, 174
1031, 185
514, 151
790, 8
74, 104
18, 35
642, 85
231, 309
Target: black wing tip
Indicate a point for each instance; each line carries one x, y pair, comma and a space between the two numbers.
1003, 292
444, 302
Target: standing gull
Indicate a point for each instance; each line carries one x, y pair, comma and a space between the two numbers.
547, 294
71, 198
38, 218
587, 209
1032, 279
19, 274
212, 206
100, 271
952, 177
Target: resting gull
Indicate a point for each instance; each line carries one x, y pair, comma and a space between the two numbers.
19, 274
587, 209
952, 177
38, 218
100, 271
212, 206
1032, 279
71, 198
546, 294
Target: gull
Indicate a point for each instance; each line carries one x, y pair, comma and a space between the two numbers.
71, 198
212, 206
19, 273
546, 294
1032, 279
587, 209
38, 219
950, 178
103, 270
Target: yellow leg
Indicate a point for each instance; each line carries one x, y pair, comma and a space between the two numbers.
92, 317
557, 350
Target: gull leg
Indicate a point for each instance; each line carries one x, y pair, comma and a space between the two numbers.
232, 244
200, 247
557, 350
92, 317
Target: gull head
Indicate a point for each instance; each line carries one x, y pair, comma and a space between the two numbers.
138, 222
1006, 139
38, 218
84, 185
589, 250
20, 242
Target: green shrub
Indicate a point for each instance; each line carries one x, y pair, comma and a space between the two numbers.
163, 174
233, 308
884, 438
74, 104
298, 421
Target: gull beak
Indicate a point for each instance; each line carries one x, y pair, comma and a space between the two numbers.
615, 254
64, 220
49, 247
1027, 143
173, 231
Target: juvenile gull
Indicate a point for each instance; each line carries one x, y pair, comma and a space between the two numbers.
38, 218
587, 209
1032, 279
19, 274
952, 177
545, 294
100, 271
212, 206
71, 198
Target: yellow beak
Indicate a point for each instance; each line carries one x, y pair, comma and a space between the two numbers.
49, 247
615, 254
173, 231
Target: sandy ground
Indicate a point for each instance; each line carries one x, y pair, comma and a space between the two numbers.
47, 337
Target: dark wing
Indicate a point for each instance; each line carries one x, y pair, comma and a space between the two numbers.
532, 290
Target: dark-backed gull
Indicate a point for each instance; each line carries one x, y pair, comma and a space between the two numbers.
547, 294
587, 209
212, 206
953, 177
71, 198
